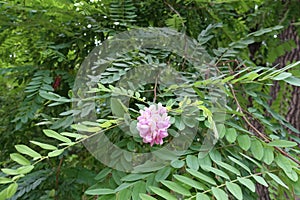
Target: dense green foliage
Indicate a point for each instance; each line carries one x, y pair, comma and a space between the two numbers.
42, 46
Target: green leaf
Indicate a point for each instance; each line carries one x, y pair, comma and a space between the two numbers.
229, 167
257, 149
282, 76
268, 155
134, 177
25, 169
176, 187
252, 160
240, 164
293, 81
192, 162
146, 197
277, 180
11, 190
162, 174
44, 146
282, 143
231, 135
19, 159
55, 135
248, 183
10, 171
55, 153
285, 164
124, 195
138, 188
216, 172
221, 130
103, 174
219, 194
200, 196
99, 191
23, 149
73, 135
83, 128
260, 180
117, 107
215, 155
177, 163
188, 181
124, 186
148, 166
4, 180
162, 193
201, 176
235, 189
244, 142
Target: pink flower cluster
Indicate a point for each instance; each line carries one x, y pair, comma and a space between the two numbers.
153, 124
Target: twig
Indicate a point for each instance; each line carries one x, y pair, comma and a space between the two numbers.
57, 177
154, 90
266, 139
175, 11
185, 39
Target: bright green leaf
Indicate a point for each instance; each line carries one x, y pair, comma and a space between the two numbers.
10, 171
201, 176
188, 181
23, 149
55, 135
282, 76
221, 130
11, 190
257, 149
282, 143
293, 81
278, 180
162, 174
231, 135
235, 189
25, 169
192, 162
19, 159
229, 167
146, 197
4, 180
248, 183
216, 172
219, 194
176, 187
260, 180
244, 142
162, 193
200, 196
285, 164
134, 177
268, 155
73, 135
177, 164
124, 186
44, 146
240, 163
55, 153
99, 191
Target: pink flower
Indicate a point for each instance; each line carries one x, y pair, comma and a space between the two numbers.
153, 124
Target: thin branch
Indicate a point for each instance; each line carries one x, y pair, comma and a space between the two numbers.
263, 136
57, 176
154, 90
